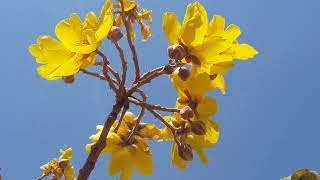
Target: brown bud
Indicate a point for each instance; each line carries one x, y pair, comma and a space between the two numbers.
186, 112
63, 163
176, 52
184, 73
185, 152
115, 34
198, 127
68, 79
168, 69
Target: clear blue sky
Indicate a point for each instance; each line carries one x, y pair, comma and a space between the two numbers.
269, 117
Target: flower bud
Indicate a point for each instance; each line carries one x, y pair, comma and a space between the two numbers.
185, 152
186, 112
198, 127
168, 69
68, 79
176, 52
115, 34
63, 163
184, 73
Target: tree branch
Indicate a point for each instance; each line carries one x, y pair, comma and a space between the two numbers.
135, 128
124, 68
106, 78
96, 149
129, 39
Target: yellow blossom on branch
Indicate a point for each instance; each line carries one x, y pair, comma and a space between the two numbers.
135, 151
61, 167
78, 41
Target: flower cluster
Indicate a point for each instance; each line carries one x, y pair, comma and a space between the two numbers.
60, 167
200, 53
209, 49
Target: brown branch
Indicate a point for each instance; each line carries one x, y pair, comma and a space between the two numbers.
106, 78
147, 79
135, 128
41, 177
156, 107
106, 66
96, 149
93, 74
132, 47
123, 112
124, 68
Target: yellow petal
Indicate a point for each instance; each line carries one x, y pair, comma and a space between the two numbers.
74, 37
49, 50
212, 133
216, 26
194, 25
107, 6
219, 83
55, 71
171, 27
88, 60
122, 162
105, 26
69, 172
91, 21
202, 155
244, 51
207, 107
66, 154
151, 131
69, 30
144, 162
222, 67
232, 32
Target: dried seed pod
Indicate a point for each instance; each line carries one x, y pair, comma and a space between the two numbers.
176, 51
184, 73
186, 112
185, 152
115, 34
198, 127
68, 79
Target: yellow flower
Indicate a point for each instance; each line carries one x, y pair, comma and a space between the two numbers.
216, 28
201, 51
78, 42
60, 167
209, 47
135, 152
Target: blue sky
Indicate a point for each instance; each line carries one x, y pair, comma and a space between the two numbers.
269, 117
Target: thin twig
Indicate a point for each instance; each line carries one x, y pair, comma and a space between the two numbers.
132, 47
105, 64
135, 128
93, 74
124, 67
157, 107
153, 74
123, 112
42, 177
106, 78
